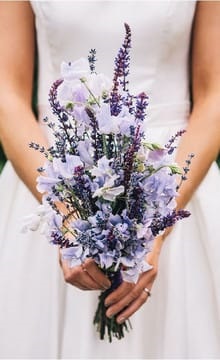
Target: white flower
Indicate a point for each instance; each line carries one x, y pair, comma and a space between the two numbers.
142, 153
108, 191
99, 84
102, 168
75, 70
85, 150
31, 222
37, 220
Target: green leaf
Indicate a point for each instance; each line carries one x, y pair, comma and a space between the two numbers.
153, 146
175, 169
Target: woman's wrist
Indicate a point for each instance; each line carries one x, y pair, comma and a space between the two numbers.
159, 241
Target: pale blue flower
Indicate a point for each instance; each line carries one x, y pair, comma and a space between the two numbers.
80, 225
132, 274
73, 255
45, 183
106, 259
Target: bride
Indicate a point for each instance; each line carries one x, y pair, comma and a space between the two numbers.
175, 59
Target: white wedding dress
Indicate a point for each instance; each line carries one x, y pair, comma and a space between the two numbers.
41, 316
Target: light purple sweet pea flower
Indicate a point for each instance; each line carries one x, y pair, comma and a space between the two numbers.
72, 92
47, 181
99, 84
125, 121
75, 70
106, 259
158, 156
120, 124
103, 168
108, 191
72, 89
80, 93
66, 169
80, 225
73, 255
81, 116
86, 151
106, 122
132, 274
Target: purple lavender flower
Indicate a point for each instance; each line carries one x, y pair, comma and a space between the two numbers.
120, 73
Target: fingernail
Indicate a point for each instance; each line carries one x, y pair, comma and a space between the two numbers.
106, 287
108, 303
110, 315
121, 320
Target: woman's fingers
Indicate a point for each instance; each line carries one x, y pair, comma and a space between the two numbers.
129, 304
79, 277
133, 307
133, 297
119, 293
96, 274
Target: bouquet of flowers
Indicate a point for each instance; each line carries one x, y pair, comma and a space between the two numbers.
118, 189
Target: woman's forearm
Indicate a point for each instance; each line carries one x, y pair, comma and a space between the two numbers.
18, 127
203, 139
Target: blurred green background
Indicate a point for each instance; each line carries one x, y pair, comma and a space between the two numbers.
2, 159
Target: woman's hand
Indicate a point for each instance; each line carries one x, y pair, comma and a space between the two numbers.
86, 276
129, 297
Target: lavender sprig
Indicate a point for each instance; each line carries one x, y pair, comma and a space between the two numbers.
186, 169
92, 60
160, 223
141, 105
120, 73
170, 145
129, 158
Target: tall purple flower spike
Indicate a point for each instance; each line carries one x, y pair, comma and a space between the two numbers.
121, 72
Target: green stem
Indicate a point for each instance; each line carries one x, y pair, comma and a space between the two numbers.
104, 145
83, 81
101, 321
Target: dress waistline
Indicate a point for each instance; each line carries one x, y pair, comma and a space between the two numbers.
167, 114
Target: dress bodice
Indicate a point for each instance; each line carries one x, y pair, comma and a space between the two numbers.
67, 30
